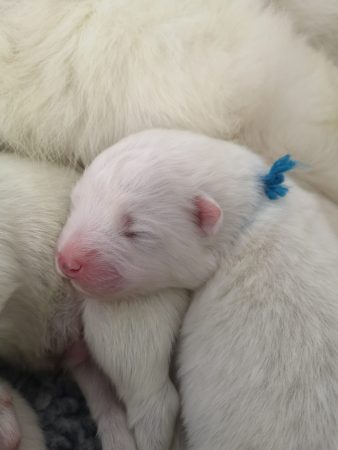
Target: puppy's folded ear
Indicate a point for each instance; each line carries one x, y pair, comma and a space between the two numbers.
208, 214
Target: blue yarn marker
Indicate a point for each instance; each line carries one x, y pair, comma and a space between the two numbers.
273, 181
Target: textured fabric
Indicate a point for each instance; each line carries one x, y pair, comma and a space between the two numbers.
60, 406
273, 181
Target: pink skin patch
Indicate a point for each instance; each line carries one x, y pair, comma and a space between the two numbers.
87, 270
208, 214
76, 354
10, 433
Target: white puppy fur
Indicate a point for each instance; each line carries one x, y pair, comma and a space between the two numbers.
132, 340
77, 76
34, 201
129, 327
258, 356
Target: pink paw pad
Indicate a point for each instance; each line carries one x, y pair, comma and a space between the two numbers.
10, 435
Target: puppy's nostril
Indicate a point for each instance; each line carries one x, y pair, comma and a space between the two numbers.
73, 267
70, 268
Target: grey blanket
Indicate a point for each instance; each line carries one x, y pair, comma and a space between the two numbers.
60, 406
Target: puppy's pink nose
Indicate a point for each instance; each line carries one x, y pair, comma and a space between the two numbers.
70, 267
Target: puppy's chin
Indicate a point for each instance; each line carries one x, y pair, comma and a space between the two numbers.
97, 293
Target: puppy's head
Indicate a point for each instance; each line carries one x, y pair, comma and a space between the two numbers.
140, 221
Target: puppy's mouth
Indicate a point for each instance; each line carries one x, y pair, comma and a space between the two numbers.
100, 288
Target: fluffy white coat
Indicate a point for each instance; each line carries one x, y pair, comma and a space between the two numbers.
77, 76
34, 200
315, 19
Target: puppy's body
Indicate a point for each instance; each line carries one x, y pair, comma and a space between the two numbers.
39, 313
34, 202
133, 342
258, 361
231, 69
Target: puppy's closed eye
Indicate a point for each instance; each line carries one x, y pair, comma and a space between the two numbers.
127, 224
130, 234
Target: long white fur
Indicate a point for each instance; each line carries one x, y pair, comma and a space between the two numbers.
315, 19
77, 76
258, 359
39, 312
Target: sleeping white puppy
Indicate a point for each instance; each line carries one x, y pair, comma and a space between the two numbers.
39, 313
129, 325
258, 359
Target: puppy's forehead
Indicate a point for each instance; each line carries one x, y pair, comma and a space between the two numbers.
131, 171
111, 162
140, 174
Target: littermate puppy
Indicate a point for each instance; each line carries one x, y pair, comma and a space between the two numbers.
34, 200
40, 316
258, 361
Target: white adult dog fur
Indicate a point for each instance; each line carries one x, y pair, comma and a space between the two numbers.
132, 340
39, 317
258, 359
77, 76
316, 19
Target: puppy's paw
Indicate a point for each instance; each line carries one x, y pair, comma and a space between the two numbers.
114, 434
10, 433
153, 421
